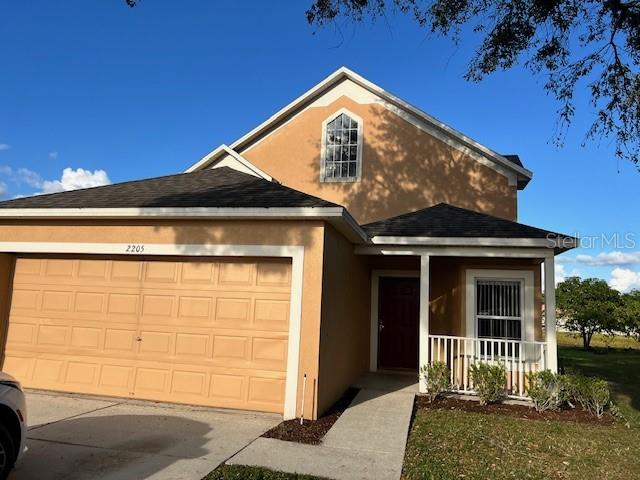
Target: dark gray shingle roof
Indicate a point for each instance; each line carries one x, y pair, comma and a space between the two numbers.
444, 220
221, 187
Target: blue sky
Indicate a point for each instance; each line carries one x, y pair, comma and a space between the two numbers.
133, 93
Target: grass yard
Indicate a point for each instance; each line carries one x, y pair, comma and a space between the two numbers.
454, 444
620, 366
238, 472
598, 341
448, 444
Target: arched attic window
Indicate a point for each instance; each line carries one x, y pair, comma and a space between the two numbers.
341, 155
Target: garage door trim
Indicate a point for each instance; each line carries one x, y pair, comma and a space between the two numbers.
295, 253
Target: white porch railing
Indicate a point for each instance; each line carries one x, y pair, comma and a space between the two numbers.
459, 353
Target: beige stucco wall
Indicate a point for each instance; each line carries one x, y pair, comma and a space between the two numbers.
403, 167
308, 234
448, 286
448, 290
447, 297
344, 332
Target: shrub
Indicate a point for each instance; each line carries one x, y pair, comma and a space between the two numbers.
591, 393
546, 390
598, 396
573, 386
436, 377
489, 381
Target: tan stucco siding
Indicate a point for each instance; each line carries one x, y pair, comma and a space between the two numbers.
447, 295
403, 167
308, 234
448, 290
344, 333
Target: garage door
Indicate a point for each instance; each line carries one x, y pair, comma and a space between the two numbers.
208, 332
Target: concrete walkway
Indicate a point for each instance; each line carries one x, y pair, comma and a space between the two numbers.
367, 441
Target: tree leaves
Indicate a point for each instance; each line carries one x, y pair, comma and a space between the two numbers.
576, 44
587, 307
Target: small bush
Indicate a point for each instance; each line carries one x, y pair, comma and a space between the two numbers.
546, 390
598, 396
573, 386
591, 393
437, 379
489, 381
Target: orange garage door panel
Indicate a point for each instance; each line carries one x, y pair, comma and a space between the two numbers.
208, 332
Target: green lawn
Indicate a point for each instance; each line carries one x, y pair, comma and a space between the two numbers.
445, 444
619, 366
450, 444
237, 472
598, 341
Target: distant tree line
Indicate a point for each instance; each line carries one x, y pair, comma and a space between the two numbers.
590, 306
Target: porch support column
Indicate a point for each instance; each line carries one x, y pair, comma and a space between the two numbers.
423, 335
550, 313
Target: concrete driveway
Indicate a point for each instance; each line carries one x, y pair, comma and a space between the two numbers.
77, 437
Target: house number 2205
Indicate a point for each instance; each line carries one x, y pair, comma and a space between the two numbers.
135, 248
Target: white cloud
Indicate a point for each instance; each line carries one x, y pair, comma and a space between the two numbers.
610, 259
71, 179
53, 155
21, 176
4, 146
74, 179
3, 189
561, 273
624, 279
31, 178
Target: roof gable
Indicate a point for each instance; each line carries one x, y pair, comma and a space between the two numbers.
223, 156
346, 82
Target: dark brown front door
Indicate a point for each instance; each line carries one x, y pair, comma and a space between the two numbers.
398, 310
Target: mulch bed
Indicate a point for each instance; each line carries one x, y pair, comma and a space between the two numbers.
312, 431
578, 414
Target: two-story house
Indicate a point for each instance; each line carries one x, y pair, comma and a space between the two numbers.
349, 232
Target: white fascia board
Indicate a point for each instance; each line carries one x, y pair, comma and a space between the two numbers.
345, 73
278, 116
210, 160
469, 242
453, 251
348, 227
337, 216
170, 212
437, 123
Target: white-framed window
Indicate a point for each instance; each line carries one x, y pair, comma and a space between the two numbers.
500, 304
341, 153
499, 309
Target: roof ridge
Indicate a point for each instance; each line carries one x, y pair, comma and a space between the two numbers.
499, 218
223, 187
335, 78
129, 182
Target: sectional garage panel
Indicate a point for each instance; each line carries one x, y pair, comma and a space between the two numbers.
209, 332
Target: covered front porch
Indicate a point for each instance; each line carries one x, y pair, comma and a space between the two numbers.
461, 306
460, 287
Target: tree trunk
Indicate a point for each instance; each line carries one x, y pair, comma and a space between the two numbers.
586, 340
